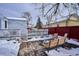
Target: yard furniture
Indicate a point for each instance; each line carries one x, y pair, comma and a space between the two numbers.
53, 42
62, 39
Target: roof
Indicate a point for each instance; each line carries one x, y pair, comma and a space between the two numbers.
15, 18
74, 15
67, 19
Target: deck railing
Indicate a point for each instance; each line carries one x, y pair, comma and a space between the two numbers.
13, 33
9, 33
39, 32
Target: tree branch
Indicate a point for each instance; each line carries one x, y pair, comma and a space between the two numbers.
50, 10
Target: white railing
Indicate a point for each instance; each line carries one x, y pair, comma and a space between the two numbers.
13, 33
9, 33
36, 33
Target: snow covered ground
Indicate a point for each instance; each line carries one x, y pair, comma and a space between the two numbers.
65, 52
73, 41
9, 48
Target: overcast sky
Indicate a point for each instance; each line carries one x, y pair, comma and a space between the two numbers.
16, 10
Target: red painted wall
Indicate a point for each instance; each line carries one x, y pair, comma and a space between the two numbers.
73, 31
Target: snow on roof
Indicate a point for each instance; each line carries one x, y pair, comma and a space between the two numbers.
75, 15
15, 18
66, 18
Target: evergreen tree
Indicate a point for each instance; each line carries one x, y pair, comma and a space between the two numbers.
39, 24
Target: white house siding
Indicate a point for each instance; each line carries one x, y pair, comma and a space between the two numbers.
0, 23
18, 24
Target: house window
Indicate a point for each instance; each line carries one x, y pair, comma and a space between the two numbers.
5, 24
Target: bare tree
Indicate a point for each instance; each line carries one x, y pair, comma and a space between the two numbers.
27, 15
57, 8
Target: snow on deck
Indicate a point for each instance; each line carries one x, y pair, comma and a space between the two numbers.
9, 48
65, 52
72, 41
46, 37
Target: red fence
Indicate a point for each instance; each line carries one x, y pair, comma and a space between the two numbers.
73, 32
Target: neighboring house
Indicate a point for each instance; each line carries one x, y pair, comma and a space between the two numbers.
72, 21
14, 24
70, 26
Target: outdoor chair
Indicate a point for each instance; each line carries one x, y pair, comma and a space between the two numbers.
62, 39
53, 43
